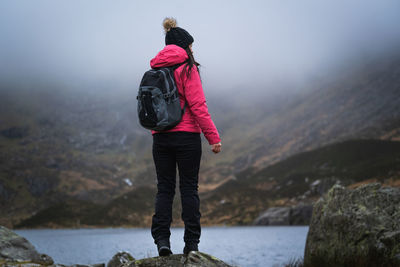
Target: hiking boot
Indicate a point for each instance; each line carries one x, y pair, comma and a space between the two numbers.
164, 248
190, 247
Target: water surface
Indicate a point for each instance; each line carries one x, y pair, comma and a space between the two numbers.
242, 246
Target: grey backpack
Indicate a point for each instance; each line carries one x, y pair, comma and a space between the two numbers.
158, 104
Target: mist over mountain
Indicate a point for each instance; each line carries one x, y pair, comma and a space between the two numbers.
253, 45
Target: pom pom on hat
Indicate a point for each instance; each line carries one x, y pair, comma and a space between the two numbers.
176, 35
169, 23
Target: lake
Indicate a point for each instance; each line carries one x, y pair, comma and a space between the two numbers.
241, 246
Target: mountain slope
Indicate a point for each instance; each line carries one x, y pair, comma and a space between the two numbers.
362, 103
301, 178
60, 145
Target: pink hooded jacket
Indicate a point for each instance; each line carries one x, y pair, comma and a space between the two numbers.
196, 117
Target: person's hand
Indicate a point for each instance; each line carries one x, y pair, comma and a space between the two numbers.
216, 148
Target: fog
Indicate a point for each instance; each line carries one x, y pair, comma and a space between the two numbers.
239, 43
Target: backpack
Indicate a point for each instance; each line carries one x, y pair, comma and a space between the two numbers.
158, 104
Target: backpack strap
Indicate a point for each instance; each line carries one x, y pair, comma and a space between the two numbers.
174, 67
184, 107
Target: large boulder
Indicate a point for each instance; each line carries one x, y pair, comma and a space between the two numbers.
359, 227
295, 215
14, 248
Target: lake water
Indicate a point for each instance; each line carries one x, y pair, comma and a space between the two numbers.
241, 246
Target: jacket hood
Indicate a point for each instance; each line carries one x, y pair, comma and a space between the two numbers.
169, 56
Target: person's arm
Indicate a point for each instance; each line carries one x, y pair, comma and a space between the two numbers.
196, 101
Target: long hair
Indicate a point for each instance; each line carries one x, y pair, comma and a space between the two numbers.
189, 63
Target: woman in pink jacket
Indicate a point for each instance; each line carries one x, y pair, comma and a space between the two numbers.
181, 146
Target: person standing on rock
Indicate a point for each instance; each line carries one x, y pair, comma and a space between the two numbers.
181, 146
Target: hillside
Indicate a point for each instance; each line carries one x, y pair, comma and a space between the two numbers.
361, 103
303, 177
358, 102
59, 145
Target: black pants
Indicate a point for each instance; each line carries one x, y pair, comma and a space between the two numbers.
169, 150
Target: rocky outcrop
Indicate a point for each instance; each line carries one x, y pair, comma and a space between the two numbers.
17, 251
359, 227
193, 259
274, 216
14, 248
295, 215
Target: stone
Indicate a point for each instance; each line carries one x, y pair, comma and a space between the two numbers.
193, 259
14, 248
359, 227
197, 259
295, 215
120, 259
274, 216
322, 186
301, 214
81, 265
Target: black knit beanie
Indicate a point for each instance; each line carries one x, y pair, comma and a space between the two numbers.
176, 35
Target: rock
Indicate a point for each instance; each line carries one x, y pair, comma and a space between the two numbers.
194, 259
14, 248
274, 216
119, 259
296, 215
15, 132
322, 186
80, 265
359, 227
301, 214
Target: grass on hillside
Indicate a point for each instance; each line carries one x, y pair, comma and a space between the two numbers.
240, 201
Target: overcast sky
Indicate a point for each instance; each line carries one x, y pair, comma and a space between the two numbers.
238, 43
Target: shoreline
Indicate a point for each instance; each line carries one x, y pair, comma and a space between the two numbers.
172, 227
